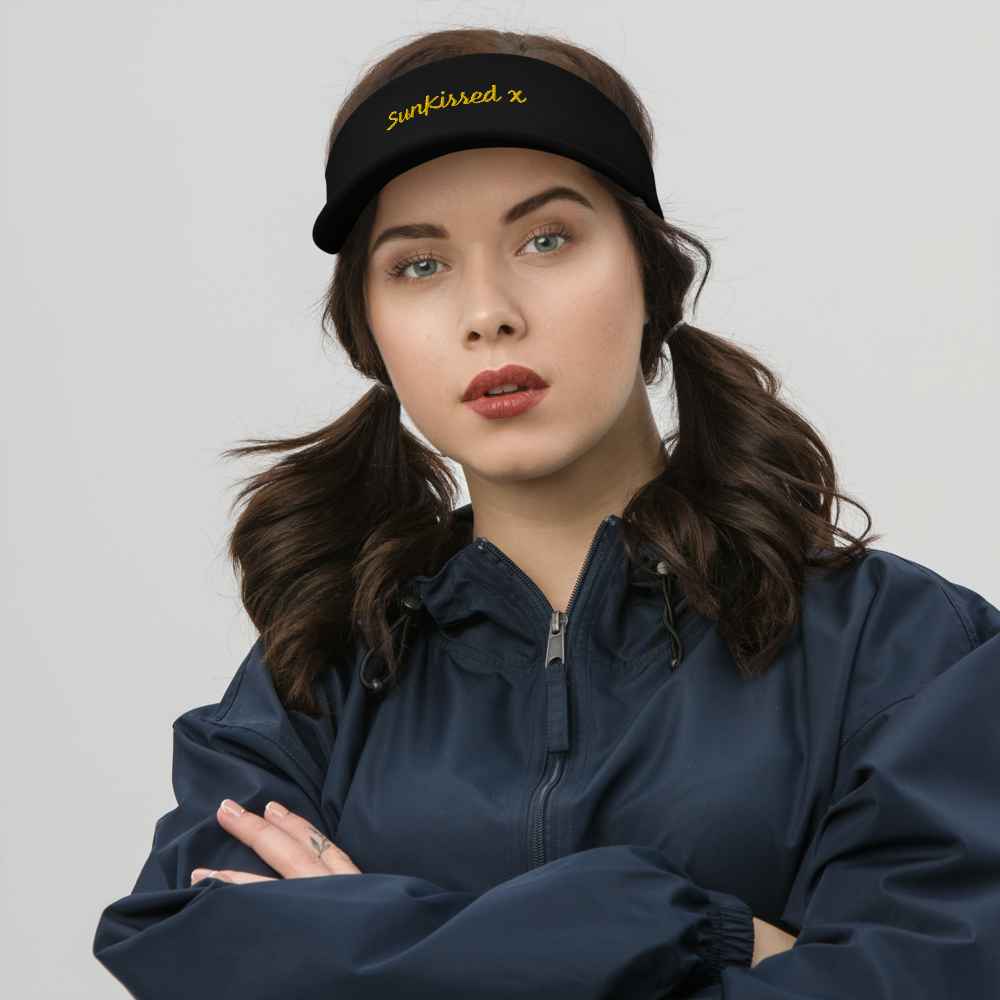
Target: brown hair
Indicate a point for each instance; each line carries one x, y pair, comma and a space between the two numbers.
747, 502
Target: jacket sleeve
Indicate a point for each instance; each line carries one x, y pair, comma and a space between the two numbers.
610, 922
899, 893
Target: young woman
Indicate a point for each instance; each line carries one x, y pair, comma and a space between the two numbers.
641, 720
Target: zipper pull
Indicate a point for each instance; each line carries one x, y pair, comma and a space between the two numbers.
555, 684
557, 639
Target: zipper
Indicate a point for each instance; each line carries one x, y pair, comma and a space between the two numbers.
530, 585
557, 700
598, 535
557, 729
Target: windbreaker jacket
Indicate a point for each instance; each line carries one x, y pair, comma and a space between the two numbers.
566, 817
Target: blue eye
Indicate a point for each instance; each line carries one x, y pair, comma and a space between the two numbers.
421, 269
545, 243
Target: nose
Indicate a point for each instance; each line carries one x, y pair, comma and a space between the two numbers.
490, 311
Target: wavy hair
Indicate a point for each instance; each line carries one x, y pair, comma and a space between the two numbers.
747, 502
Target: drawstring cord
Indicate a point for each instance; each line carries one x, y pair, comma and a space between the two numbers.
408, 620
676, 646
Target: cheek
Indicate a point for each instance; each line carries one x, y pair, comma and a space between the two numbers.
596, 324
409, 337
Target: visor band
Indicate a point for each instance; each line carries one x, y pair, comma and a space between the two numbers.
472, 102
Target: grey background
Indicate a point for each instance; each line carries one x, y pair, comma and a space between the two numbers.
162, 165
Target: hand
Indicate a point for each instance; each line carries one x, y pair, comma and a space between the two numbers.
291, 845
768, 940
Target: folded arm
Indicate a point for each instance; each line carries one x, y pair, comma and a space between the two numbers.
899, 894
614, 921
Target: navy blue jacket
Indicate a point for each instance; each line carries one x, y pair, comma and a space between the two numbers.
602, 826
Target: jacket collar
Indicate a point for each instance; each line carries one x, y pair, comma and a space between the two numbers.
480, 580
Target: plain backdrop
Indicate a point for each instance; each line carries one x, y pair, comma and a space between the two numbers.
162, 166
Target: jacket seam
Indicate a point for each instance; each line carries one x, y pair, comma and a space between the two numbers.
691, 635
968, 628
842, 740
230, 699
529, 612
971, 632
497, 666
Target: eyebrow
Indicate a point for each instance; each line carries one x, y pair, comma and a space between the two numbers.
427, 231
523, 208
410, 231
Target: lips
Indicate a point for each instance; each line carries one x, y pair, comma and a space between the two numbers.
524, 389
509, 374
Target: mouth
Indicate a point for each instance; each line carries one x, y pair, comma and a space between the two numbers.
505, 392
504, 381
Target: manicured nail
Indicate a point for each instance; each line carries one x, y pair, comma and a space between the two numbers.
198, 874
231, 808
277, 808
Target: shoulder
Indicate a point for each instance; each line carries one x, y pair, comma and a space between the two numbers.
897, 626
250, 719
250, 698
881, 593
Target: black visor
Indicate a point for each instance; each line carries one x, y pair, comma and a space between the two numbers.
470, 102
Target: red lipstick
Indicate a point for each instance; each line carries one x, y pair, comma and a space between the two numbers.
515, 390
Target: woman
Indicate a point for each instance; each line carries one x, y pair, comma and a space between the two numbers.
639, 721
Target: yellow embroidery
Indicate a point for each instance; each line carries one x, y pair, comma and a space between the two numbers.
477, 97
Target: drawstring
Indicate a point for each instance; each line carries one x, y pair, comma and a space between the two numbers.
408, 620
676, 646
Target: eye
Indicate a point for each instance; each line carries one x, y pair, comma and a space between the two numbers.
544, 243
420, 269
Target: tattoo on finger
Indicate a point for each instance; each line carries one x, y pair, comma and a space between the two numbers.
319, 841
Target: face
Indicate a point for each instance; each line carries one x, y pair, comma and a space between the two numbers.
506, 300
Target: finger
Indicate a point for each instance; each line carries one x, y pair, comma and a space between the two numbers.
199, 873
243, 878
287, 856
317, 843
236, 878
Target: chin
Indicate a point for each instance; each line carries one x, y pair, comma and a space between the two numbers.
512, 472
516, 464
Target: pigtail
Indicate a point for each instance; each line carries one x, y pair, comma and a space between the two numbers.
325, 534
748, 500
749, 497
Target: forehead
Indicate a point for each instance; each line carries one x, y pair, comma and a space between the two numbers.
486, 181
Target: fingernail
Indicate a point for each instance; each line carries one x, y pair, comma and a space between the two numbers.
198, 874
277, 808
231, 808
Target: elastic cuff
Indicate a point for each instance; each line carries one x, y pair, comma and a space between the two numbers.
732, 935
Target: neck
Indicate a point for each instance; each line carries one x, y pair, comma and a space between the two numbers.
546, 524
